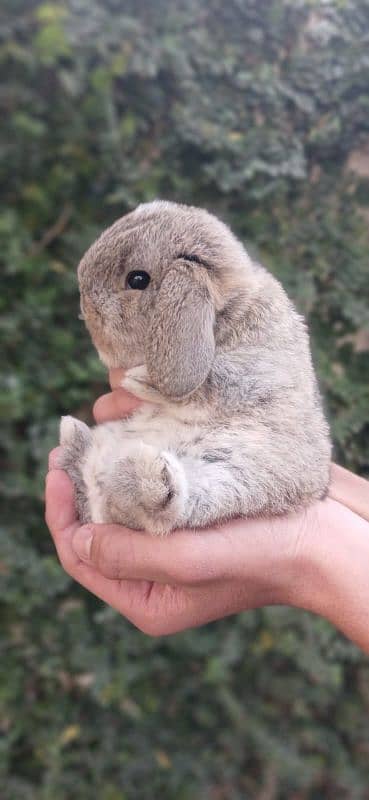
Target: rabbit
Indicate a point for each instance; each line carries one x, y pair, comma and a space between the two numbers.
231, 422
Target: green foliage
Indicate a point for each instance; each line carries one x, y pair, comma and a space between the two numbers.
259, 111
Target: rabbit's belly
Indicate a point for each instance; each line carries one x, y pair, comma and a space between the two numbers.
163, 431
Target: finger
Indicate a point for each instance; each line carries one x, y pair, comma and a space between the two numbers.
350, 490
54, 457
185, 557
60, 514
128, 597
167, 609
257, 549
120, 553
116, 405
60, 509
115, 377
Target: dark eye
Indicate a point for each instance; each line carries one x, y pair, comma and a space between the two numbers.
138, 279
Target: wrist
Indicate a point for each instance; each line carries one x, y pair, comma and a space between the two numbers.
309, 583
300, 560
279, 561
328, 573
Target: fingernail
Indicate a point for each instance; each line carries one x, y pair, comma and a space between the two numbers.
82, 542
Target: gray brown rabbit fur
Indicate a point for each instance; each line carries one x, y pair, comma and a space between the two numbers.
233, 424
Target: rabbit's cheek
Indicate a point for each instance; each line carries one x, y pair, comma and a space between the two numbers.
119, 359
118, 348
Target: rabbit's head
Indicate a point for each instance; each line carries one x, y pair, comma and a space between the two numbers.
152, 288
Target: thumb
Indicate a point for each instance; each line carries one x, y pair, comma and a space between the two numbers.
120, 553
115, 405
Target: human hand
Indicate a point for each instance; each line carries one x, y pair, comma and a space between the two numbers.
190, 578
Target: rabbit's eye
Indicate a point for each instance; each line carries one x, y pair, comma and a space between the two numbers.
193, 257
138, 279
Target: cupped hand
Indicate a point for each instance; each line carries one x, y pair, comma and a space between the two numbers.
167, 584
189, 578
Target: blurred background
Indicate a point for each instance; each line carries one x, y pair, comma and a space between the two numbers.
259, 111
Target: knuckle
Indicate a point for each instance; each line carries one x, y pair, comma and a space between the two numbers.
105, 555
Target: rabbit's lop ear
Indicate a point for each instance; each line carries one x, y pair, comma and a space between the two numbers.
180, 340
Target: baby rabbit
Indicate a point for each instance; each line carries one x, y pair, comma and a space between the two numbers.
231, 423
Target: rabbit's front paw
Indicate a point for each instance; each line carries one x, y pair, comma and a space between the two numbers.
150, 491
